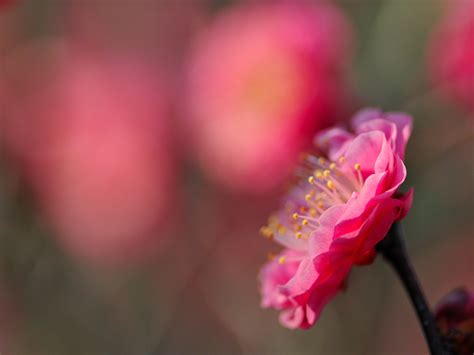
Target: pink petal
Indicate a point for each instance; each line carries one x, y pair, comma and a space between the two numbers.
273, 275
404, 125
377, 226
396, 126
364, 150
292, 318
407, 201
356, 208
397, 177
333, 141
322, 238
365, 115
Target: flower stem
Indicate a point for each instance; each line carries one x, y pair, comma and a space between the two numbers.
393, 249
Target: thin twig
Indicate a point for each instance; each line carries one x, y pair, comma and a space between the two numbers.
394, 251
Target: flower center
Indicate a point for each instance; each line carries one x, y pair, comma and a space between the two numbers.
321, 184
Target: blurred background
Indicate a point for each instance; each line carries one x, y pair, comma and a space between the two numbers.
143, 143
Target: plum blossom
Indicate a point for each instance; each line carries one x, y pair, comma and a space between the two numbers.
262, 80
342, 205
451, 54
90, 135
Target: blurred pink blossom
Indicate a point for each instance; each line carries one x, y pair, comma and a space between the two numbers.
5, 3
451, 53
333, 218
91, 134
157, 28
262, 80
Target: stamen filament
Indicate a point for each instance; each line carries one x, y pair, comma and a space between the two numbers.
322, 184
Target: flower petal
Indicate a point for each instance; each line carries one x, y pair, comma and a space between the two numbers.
274, 274
365, 115
365, 150
333, 141
396, 126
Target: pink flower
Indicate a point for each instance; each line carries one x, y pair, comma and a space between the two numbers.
262, 80
451, 53
92, 138
342, 206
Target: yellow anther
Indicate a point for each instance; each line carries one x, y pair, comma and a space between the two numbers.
330, 184
294, 216
318, 174
266, 232
326, 173
320, 204
311, 179
313, 212
273, 220
308, 197
322, 160
271, 256
357, 166
281, 260
321, 196
297, 228
304, 222
299, 235
342, 159
332, 166
281, 229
